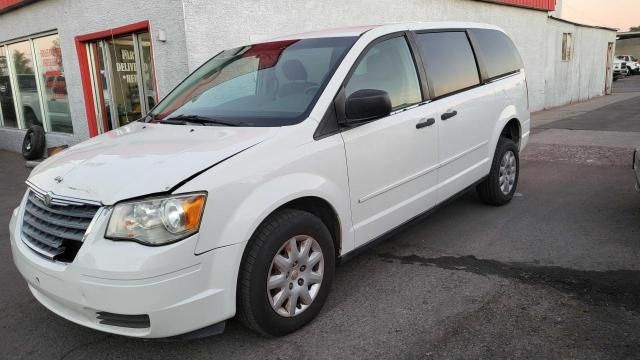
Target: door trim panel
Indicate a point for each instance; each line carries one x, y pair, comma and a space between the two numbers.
420, 173
465, 152
398, 183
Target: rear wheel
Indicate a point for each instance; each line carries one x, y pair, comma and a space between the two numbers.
286, 273
498, 188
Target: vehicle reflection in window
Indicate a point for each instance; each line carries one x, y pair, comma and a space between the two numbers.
23, 67
55, 86
7, 109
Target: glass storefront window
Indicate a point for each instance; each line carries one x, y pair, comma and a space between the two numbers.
27, 89
148, 82
102, 95
8, 116
125, 79
122, 79
33, 88
53, 83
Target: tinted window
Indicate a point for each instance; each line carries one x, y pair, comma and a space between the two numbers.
268, 84
388, 66
499, 54
449, 60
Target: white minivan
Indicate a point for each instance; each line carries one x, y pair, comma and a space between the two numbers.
241, 190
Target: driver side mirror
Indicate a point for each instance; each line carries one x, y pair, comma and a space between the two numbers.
366, 105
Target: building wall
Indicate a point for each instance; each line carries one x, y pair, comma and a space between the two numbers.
538, 38
198, 29
584, 76
628, 47
76, 17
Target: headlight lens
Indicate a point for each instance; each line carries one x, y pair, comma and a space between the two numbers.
157, 221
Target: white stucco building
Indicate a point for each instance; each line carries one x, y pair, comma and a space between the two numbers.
80, 68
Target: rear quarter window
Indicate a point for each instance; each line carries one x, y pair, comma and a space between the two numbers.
498, 53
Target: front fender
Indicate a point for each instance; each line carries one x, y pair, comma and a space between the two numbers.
244, 190
265, 199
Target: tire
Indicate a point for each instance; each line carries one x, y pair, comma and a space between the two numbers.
274, 237
493, 190
33, 144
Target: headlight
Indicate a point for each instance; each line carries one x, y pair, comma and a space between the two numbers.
157, 221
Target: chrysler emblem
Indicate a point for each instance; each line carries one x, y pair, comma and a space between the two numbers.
47, 199
58, 179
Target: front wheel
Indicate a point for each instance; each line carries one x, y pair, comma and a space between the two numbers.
286, 273
498, 188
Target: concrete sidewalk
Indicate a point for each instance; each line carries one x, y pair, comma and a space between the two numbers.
600, 131
623, 89
544, 117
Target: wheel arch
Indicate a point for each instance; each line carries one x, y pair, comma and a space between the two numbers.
512, 130
509, 125
324, 211
242, 208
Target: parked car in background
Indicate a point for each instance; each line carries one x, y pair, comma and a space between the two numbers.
30, 100
632, 63
57, 103
241, 190
619, 69
6, 102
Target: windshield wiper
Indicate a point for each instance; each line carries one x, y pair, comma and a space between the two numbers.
196, 119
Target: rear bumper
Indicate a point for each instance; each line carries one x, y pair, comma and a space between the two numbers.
179, 292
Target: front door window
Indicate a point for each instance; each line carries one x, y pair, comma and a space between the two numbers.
122, 79
388, 66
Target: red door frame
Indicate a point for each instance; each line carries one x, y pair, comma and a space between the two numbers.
83, 61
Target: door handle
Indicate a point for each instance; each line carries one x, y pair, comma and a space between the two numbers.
449, 114
424, 123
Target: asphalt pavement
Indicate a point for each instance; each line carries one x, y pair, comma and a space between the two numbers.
554, 274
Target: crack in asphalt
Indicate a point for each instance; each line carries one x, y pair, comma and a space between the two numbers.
84, 345
612, 287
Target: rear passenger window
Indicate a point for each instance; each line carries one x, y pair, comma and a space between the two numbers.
498, 53
388, 66
449, 60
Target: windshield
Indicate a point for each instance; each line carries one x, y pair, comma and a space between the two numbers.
268, 84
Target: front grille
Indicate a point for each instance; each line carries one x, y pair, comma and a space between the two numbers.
56, 230
129, 321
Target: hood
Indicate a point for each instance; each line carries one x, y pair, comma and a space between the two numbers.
140, 159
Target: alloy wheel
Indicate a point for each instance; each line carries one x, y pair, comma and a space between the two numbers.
508, 170
295, 275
